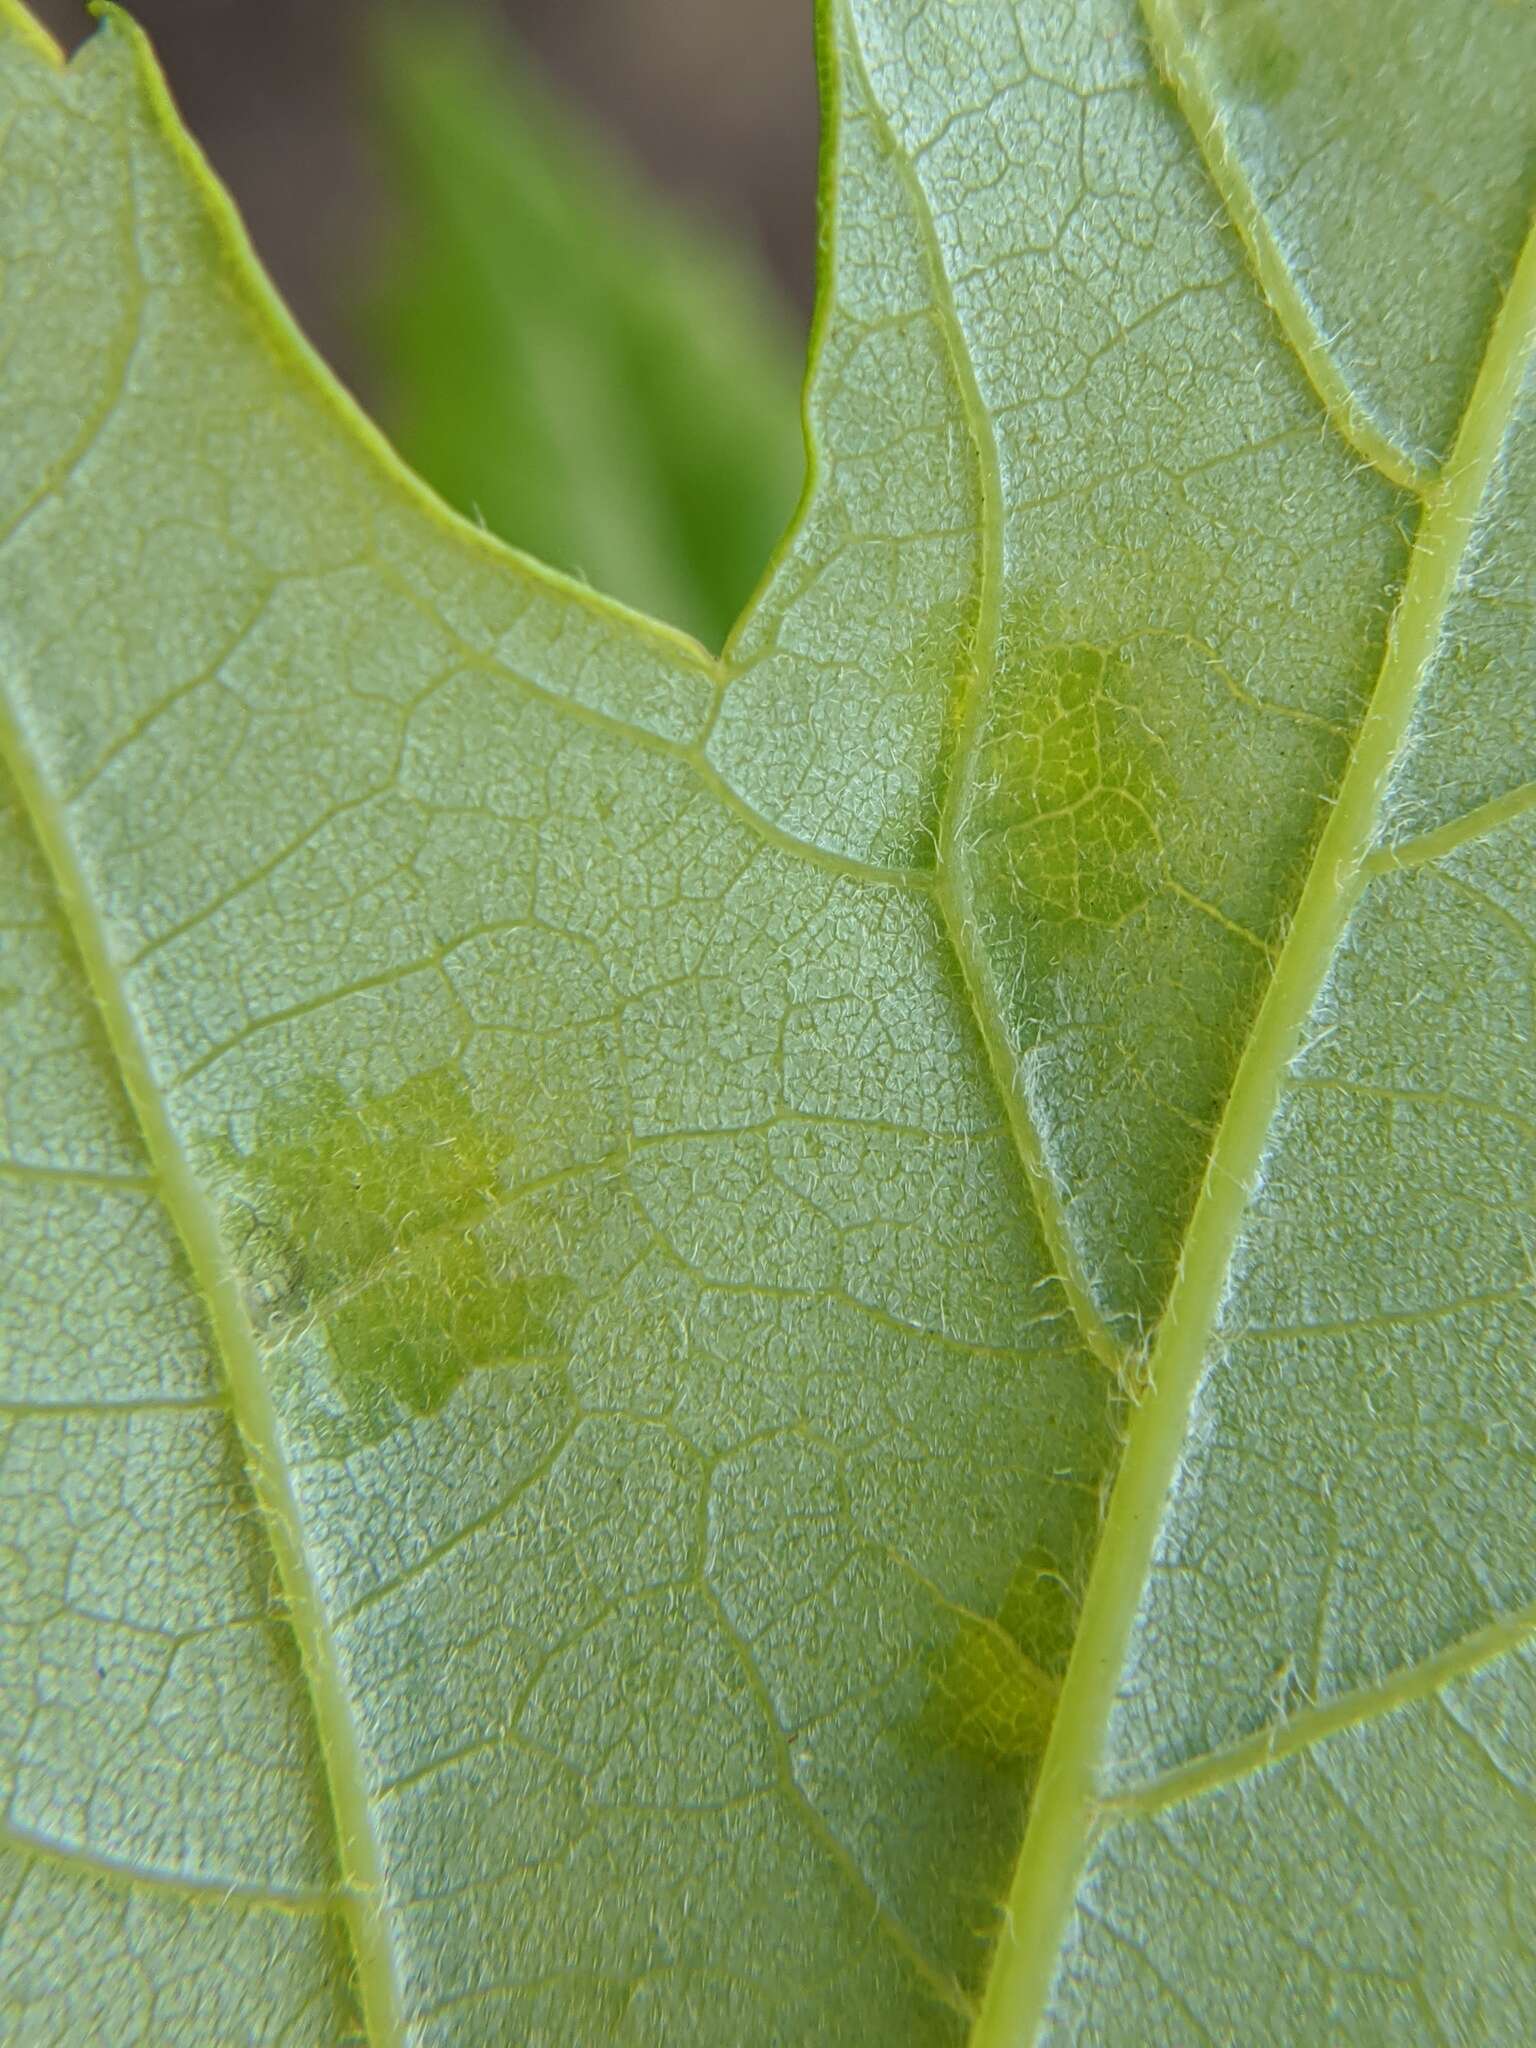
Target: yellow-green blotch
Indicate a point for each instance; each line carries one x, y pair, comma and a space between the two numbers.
365, 1216
994, 1693
1067, 789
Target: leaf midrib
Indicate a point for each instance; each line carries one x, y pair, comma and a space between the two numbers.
1066, 1809
193, 1219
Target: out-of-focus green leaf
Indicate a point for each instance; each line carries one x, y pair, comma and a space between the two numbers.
563, 354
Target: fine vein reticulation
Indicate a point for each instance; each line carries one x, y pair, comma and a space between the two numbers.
638, 1618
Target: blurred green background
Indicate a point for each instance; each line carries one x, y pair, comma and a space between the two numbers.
561, 249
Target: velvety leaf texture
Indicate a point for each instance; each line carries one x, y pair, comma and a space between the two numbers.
832, 1345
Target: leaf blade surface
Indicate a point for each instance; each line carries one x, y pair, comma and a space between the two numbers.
685, 1186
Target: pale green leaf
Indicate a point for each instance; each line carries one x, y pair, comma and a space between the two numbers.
830, 1346
629, 416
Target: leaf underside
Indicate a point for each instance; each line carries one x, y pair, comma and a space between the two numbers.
826, 1346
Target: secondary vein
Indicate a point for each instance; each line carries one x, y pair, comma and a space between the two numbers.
1462, 831
1067, 1807
1312, 1725
1289, 303
952, 887
250, 1397
173, 1884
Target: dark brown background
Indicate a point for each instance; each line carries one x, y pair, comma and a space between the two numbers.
715, 98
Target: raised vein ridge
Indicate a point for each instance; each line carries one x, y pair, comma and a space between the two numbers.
1067, 1805
250, 1398
1191, 87
1463, 831
952, 888
118, 1870
1311, 1725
